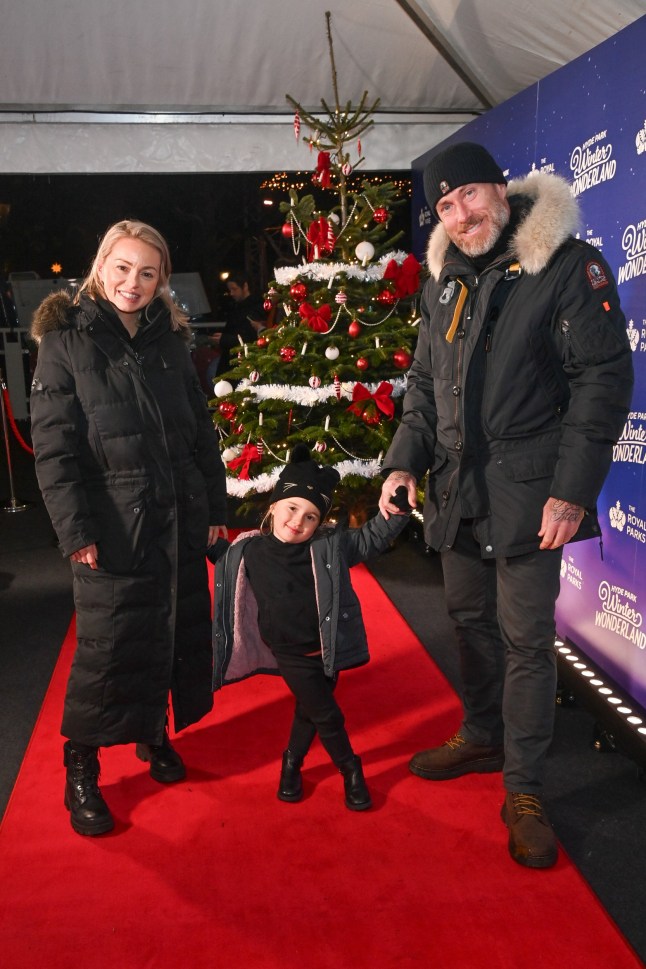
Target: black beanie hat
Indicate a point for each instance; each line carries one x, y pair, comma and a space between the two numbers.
304, 478
457, 165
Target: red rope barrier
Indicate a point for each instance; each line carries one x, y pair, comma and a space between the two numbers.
12, 423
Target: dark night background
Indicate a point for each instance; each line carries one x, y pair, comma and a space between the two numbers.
212, 222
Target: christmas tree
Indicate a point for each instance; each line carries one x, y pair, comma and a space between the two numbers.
332, 372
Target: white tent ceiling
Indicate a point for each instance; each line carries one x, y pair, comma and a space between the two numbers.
200, 85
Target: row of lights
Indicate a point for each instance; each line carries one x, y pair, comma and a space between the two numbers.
594, 680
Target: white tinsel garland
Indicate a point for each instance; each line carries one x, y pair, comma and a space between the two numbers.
237, 488
325, 272
310, 396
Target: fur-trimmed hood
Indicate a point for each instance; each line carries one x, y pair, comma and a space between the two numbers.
554, 215
59, 311
52, 314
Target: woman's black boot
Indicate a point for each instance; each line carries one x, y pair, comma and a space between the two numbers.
357, 796
290, 787
89, 814
166, 765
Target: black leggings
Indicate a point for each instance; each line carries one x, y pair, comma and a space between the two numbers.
316, 709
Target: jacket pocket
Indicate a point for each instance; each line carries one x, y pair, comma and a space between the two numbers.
528, 465
124, 527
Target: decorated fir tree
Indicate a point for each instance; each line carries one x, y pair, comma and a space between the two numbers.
332, 372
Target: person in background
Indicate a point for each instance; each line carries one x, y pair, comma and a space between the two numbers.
285, 602
246, 319
520, 386
129, 468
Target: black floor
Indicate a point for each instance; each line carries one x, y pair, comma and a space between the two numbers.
596, 801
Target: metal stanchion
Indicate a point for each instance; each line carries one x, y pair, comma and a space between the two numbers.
13, 504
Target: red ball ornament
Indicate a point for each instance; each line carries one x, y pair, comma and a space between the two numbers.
362, 363
402, 359
354, 329
386, 297
341, 298
239, 429
370, 417
254, 376
298, 292
228, 410
314, 381
287, 354
380, 215
262, 341
267, 305
287, 230
320, 446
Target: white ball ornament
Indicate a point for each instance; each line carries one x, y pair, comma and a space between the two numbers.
334, 218
315, 381
254, 376
332, 353
365, 251
230, 454
222, 388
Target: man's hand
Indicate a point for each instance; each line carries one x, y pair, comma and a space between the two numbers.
560, 523
390, 485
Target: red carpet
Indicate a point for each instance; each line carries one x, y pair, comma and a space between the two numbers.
216, 872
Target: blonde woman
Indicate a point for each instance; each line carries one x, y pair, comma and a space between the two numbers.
130, 473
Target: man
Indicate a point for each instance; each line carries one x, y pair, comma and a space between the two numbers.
519, 388
245, 321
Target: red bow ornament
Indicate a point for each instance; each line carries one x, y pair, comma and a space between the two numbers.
320, 238
317, 320
248, 454
380, 400
322, 174
405, 277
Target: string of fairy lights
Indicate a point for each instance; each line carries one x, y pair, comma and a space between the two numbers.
282, 182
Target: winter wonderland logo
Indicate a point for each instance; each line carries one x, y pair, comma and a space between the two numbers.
592, 163
633, 243
640, 140
631, 446
618, 614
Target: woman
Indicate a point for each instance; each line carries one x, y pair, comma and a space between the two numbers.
129, 468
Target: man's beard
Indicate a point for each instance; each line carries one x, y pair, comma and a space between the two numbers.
498, 219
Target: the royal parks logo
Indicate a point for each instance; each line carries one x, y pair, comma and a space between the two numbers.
570, 572
629, 521
640, 140
592, 163
619, 613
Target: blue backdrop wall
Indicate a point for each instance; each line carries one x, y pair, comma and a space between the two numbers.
587, 122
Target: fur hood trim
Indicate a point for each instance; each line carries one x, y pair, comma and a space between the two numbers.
553, 217
52, 314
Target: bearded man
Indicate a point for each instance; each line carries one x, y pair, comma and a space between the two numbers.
520, 387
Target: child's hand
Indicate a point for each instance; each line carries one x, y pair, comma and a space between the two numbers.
400, 499
393, 485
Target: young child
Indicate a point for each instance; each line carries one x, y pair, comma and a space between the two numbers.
285, 603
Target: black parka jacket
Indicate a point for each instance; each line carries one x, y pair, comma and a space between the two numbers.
127, 458
521, 381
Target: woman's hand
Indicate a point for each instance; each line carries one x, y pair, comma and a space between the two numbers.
86, 556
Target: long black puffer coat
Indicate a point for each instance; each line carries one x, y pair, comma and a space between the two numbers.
127, 458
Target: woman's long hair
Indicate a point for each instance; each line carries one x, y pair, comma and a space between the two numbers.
93, 286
